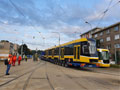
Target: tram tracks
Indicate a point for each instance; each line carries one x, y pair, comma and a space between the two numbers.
99, 81
30, 71
71, 78
29, 77
48, 78
97, 71
12, 72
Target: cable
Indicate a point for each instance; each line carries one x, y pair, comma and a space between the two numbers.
29, 22
104, 13
106, 10
13, 4
115, 4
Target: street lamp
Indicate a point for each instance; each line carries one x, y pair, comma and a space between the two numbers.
43, 39
89, 24
59, 43
22, 49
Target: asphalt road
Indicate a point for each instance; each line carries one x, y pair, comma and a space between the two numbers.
43, 75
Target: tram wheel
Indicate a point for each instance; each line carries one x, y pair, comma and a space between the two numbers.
66, 65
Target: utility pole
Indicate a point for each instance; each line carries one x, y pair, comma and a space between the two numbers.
22, 49
59, 47
36, 50
43, 41
59, 43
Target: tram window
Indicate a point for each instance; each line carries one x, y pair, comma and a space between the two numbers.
45, 52
68, 51
55, 52
50, 52
85, 50
75, 52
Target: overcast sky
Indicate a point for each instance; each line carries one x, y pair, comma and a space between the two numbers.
33, 20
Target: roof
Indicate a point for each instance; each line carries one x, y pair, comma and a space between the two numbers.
107, 27
91, 30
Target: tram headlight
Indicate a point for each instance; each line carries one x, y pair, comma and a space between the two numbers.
100, 61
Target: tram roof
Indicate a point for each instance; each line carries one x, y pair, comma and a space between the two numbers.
68, 43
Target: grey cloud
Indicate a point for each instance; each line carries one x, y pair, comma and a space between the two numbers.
53, 17
47, 17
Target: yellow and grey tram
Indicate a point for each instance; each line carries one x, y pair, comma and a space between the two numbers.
81, 52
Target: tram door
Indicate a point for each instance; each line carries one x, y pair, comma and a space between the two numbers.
52, 53
47, 53
62, 53
77, 52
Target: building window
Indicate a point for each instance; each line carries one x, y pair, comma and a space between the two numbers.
108, 31
101, 33
117, 36
1, 46
108, 46
96, 35
117, 45
101, 40
102, 46
108, 39
116, 28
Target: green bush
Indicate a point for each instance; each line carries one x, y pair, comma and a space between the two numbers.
115, 66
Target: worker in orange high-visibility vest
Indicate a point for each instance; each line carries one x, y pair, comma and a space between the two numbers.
9, 64
19, 60
14, 59
10, 55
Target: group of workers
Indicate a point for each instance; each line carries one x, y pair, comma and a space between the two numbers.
11, 61
13, 58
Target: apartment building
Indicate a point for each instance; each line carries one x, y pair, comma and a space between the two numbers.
7, 47
109, 38
90, 32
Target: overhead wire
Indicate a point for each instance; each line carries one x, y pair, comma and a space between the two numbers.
13, 4
115, 4
105, 11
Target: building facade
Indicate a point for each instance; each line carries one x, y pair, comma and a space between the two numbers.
89, 33
16, 47
109, 38
7, 47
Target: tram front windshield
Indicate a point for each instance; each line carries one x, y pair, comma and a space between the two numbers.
92, 48
89, 48
104, 55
